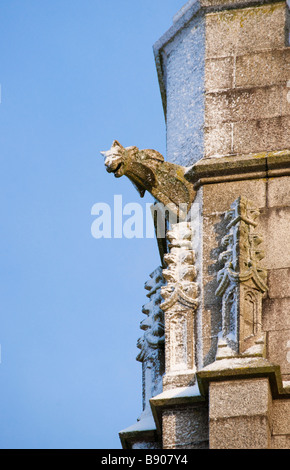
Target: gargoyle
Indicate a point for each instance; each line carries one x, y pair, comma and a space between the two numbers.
148, 171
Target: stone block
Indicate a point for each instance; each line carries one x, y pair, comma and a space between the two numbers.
276, 314
285, 105
246, 30
279, 350
280, 442
240, 414
261, 69
242, 105
278, 283
281, 421
261, 135
218, 139
240, 433
276, 223
217, 198
239, 397
219, 73
278, 192
185, 428
286, 67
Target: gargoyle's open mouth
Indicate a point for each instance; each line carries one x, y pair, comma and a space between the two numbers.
118, 168
115, 171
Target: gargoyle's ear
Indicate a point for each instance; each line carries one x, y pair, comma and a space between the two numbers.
117, 144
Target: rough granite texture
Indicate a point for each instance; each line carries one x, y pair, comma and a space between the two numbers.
186, 428
240, 414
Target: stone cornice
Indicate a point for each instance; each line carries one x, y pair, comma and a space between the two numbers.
239, 167
242, 368
179, 396
130, 436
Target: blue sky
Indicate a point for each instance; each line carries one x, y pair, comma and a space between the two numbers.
75, 75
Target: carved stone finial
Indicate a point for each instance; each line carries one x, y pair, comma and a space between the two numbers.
148, 171
242, 281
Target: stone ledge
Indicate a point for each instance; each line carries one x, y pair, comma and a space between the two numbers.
175, 397
142, 431
217, 5
241, 368
239, 167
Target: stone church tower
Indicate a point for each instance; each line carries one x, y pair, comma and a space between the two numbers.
215, 349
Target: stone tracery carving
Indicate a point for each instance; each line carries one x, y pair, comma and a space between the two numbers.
242, 281
181, 272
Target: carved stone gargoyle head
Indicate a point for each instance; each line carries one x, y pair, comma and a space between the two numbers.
148, 171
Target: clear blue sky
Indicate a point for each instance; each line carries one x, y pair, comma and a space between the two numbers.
74, 74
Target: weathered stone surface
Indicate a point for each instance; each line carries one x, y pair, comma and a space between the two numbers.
277, 238
250, 65
261, 135
276, 314
241, 432
281, 422
278, 192
218, 139
245, 30
285, 100
218, 197
219, 74
242, 104
278, 350
261, 68
280, 442
186, 428
222, 74
240, 414
233, 398
278, 282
